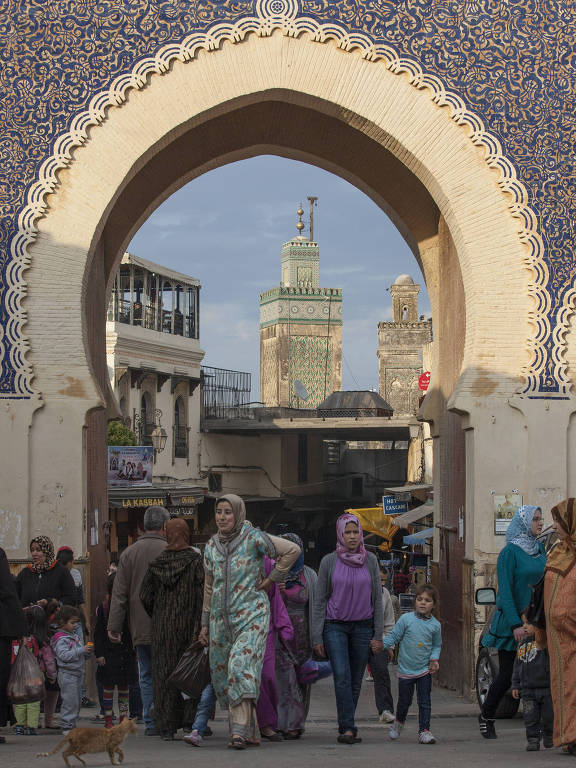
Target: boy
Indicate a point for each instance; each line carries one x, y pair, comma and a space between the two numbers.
69, 652
420, 638
531, 682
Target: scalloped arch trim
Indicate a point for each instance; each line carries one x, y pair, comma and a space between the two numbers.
273, 15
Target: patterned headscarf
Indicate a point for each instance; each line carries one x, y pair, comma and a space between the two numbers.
298, 566
563, 556
239, 511
520, 530
357, 558
46, 546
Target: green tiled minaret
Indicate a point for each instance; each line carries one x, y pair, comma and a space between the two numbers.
300, 330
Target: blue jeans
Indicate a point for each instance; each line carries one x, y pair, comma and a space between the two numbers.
145, 674
204, 711
347, 644
423, 687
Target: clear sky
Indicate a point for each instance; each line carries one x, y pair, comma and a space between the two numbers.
227, 227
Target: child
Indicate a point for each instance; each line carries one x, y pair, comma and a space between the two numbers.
70, 654
203, 714
531, 681
117, 667
28, 715
420, 638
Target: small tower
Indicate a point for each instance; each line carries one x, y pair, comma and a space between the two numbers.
400, 344
300, 330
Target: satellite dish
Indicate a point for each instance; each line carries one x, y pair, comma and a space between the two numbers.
300, 390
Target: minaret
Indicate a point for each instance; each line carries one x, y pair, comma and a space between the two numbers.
400, 344
300, 329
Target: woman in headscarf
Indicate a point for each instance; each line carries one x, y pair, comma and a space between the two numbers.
171, 594
348, 618
520, 564
236, 615
560, 608
45, 578
294, 696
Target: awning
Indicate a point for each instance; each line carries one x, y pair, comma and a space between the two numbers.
165, 495
407, 518
420, 537
406, 488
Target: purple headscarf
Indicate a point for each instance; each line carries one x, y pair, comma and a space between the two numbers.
357, 558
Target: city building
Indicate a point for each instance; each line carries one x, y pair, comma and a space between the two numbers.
154, 357
300, 330
400, 345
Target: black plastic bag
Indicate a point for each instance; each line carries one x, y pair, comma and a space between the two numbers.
26, 681
192, 673
535, 614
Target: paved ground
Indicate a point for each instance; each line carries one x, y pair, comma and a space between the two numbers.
453, 723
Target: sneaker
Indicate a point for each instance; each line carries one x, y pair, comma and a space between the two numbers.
395, 730
194, 739
369, 678
387, 717
19, 730
548, 741
487, 728
31, 732
533, 745
425, 737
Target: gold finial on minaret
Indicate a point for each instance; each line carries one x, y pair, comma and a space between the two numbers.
300, 223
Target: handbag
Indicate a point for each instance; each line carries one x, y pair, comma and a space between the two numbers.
535, 613
192, 673
26, 681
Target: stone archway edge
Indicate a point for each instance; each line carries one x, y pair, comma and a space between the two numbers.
264, 24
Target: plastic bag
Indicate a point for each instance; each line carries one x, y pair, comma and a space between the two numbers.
26, 681
192, 673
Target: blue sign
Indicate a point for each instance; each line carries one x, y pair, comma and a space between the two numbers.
393, 507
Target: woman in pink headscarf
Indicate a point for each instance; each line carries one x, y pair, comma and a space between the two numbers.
348, 618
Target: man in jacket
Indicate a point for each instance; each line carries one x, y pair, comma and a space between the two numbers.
12, 626
132, 566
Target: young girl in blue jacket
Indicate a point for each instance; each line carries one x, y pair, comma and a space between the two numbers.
419, 636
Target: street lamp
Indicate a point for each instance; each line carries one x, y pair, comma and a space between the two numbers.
159, 437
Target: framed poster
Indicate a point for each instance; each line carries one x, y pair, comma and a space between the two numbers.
130, 465
505, 505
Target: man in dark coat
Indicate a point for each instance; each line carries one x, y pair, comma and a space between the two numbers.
12, 626
125, 600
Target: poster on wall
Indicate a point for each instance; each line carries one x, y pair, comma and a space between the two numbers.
505, 505
130, 465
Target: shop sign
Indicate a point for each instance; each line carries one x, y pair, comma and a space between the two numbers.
424, 381
130, 466
182, 511
505, 505
392, 506
142, 502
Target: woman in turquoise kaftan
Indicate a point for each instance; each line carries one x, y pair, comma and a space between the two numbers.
236, 610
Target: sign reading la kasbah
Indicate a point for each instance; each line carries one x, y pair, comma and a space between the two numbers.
142, 502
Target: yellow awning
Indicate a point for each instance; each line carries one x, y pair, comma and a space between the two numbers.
373, 520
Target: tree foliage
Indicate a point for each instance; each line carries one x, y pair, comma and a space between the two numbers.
118, 434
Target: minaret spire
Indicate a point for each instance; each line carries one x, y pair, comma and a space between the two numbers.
300, 223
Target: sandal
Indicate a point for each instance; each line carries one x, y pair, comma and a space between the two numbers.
237, 742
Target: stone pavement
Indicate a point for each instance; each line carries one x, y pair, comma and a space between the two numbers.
453, 723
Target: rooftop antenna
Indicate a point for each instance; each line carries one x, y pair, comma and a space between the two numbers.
300, 223
313, 201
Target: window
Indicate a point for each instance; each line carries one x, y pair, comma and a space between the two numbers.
215, 482
357, 486
302, 458
180, 429
146, 419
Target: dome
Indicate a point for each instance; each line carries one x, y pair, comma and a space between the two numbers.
403, 280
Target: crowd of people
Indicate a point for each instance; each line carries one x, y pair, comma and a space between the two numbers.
271, 627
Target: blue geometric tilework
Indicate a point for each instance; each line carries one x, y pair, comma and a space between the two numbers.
511, 62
